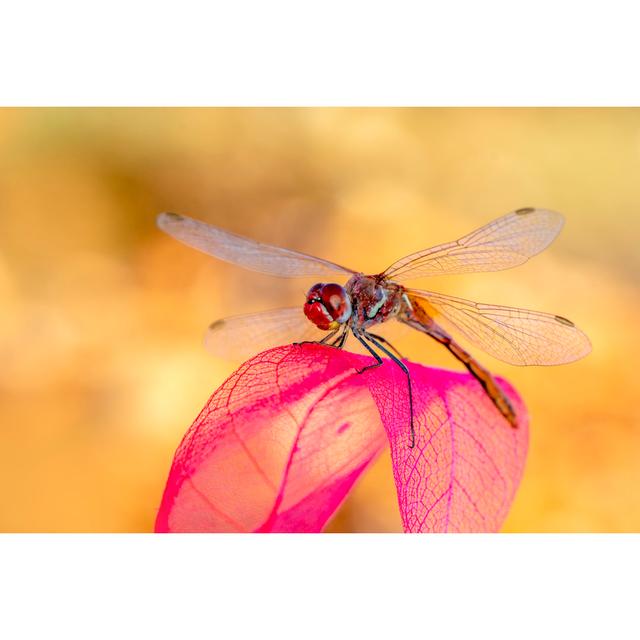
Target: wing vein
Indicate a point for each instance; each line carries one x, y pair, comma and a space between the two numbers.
517, 336
501, 244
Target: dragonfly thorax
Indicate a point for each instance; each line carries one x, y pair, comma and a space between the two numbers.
374, 299
327, 305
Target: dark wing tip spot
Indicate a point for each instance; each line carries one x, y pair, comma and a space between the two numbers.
167, 216
524, 211
564, 321
218, 324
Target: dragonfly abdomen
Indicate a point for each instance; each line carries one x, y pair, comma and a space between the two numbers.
418, 317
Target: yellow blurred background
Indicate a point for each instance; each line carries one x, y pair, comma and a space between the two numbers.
102, 367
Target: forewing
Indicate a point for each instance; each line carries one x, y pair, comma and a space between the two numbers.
242, 337
245, 252
502, 244
516, 336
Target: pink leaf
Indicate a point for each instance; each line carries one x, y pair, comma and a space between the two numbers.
277, 447
282, 441
467, 462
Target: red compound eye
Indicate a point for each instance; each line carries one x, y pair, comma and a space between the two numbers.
336, 301
318, 315
327, 306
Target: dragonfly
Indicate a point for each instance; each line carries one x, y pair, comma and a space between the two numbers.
332, 312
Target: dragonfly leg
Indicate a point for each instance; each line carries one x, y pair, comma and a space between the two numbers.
385, 341
404, 368
371, 338
338, 343
371, 351
328, 337
323, 341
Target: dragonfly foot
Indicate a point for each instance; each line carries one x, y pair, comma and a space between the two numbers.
371, 366
412, 440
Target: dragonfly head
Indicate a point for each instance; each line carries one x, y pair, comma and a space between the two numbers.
327, 306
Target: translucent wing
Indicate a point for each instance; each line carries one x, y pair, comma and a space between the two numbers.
243, 251
516, 336
241, 337
501, 244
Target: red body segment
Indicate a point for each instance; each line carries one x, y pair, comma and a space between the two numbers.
375, 300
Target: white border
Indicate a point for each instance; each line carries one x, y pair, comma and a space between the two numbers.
331, 53
322, 586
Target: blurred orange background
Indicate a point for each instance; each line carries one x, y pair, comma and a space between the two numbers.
102, 316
